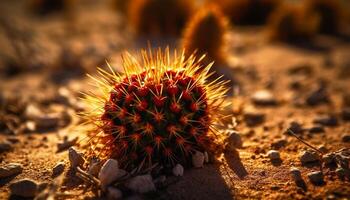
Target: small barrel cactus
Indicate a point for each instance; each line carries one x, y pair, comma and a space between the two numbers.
205, 34
159, 110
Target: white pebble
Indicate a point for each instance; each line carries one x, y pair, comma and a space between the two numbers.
178, 170
198, 159
206, 157
110, 172
141, 184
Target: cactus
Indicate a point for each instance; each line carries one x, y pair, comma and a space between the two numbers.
159, 17
159, 111
205, 34
331, 14
292, 22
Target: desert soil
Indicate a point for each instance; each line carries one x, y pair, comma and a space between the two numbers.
290, 72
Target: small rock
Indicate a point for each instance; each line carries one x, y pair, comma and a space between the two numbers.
198, 159
206, 157
114, 193
5, 146
279, 144
318, 96
58, 169
24, 188
141, 184
178, 170
94, 167
301, 69
326, 120
340, 172
316, 177
47, 121
66, 144
323, 149
346, 138
316, 129
296, 174
328, 158
110, 172
32, 112
264, 98
346, 114
160, 180
308, 157
253, 118
274, 155
234, 140
12, 139
295, 127
76, 158
10, 170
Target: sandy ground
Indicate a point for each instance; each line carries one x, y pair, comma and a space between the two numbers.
254, 65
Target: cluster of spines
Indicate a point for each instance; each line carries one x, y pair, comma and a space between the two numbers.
159, 111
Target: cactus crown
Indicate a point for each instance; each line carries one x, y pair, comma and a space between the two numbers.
158, 111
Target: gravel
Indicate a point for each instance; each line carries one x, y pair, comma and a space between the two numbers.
178, 170
198, 159
234, 140
263, 98
296, 174
58, 169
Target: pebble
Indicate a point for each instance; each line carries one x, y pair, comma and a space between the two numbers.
12, 139
279, 144
346, 114
274, 155
316, 177
94, 167
61, 146
5, 146
198, 159
308, 157
58, 169
296, 174
178, 170
24, 188
110, 172
263, 98
328, 158
253, 118
47, 121
206, 157
346, 138
10, 170
234, 140
316, 129
318, 96
295, 127
141, 184
326, 120
114, 193
323, 149
76, 158
340, 172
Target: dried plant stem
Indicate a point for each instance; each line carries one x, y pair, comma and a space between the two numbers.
304, 142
